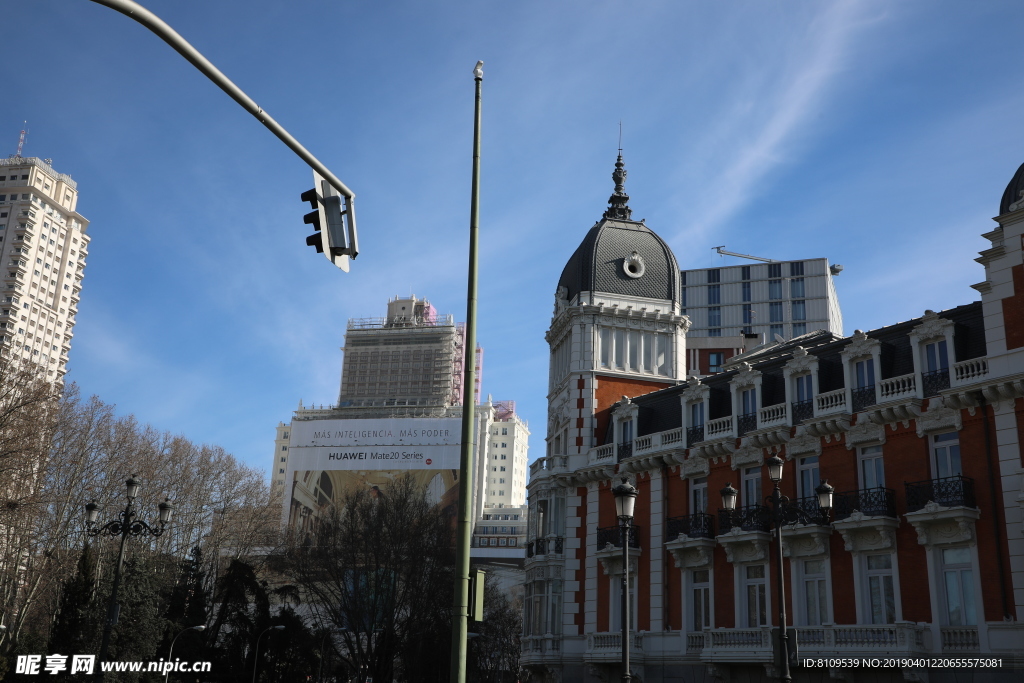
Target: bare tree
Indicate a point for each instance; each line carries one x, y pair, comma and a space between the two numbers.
378, 569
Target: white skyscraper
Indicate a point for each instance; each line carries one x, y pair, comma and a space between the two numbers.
43, 246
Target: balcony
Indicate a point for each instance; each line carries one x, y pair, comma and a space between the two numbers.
698, 525
897, 388
749, 518
957, 491
809, 506
611, 535
544, 546
934, 381
773, 416
830, 402
719, 429
801, 410
862, 397
694, 435
877, 502
624, 450
607, 647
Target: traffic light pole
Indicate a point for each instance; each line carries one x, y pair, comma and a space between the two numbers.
460, 611
157, 25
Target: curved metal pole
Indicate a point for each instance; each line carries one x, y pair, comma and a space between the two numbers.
170, 653
256, 659
157, 25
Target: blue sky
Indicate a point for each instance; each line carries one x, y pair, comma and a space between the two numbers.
877, 134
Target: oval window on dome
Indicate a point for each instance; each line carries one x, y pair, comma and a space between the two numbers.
633, 265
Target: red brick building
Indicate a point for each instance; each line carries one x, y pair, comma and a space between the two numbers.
916, 425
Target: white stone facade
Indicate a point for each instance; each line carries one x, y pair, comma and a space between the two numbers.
43, 245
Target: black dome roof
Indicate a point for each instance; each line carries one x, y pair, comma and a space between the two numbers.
621, 256
1011, 195
598, 264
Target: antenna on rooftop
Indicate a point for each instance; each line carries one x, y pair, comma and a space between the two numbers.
21, 139
620, 137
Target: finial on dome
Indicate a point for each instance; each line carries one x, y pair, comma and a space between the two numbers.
618, 203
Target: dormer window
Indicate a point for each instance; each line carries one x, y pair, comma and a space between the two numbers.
803, 406
935, 377
746, 421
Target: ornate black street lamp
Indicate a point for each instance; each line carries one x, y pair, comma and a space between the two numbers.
124, 526
783, 511
625, 499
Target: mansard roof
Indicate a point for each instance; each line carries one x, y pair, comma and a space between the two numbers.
622, 256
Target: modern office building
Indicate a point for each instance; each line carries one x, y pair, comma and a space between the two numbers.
916, 425
43, 245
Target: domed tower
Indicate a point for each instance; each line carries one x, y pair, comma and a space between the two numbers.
617, 329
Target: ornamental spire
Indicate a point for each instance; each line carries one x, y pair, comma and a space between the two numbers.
618, 203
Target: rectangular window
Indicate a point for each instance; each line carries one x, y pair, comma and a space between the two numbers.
775, 289
745, 288
935, 356
606, 347
774, 270
946, 453
714, 275
663, 354
714, 316
634, 350
748, 315
796, 288
880, 597
748, 401
648, 352
620, 348
699, 495
808, 477
715, 332
958, 579
799, 329
715, 361
751, 486
800, 310
865, 371
700, 598
804, 388
683, 302
775, 312
697, 414
872, 469
756, 595
815, 593
714, 294
796, 268
744, 272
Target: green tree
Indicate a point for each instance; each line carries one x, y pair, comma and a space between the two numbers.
77, 626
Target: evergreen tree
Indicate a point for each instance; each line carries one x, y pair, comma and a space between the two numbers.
77, 624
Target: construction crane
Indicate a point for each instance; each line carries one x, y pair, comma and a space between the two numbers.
722, 252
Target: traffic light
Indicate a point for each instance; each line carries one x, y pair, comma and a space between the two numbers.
333, 218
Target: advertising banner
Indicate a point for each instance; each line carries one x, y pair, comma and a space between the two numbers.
327, 458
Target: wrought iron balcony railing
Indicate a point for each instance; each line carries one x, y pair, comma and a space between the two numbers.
935, 381
812, 512
624, 450
543, 546
611, 534
749, 518
697, 525
877, 502
863, 397
802, 410
948, 491
746, 423
694, 435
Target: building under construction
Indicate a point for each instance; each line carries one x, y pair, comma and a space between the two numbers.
409, 362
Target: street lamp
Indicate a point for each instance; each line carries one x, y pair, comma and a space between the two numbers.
783, 511
625, 499
170, 654
323, 641
256, 659
124, 525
